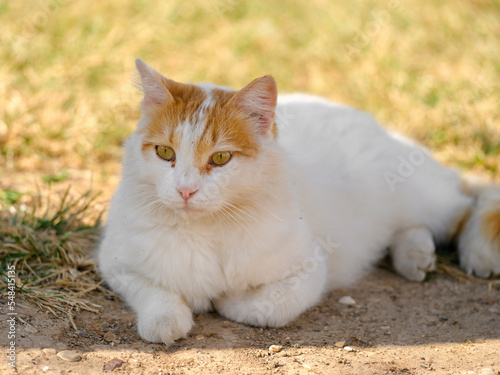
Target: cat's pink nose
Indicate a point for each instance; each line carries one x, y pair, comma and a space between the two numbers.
187, 192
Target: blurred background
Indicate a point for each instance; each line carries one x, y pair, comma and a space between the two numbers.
427, 68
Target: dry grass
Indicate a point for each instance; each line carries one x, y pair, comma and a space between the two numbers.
451, 270
427, 68
49, 242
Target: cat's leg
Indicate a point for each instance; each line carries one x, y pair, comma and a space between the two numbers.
413, 253
162, 316
276, 304
479, 242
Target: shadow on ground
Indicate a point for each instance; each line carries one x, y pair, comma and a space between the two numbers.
394, 327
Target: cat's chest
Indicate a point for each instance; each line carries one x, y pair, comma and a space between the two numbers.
203, 265
185, 262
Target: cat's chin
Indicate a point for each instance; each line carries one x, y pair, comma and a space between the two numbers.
189, 212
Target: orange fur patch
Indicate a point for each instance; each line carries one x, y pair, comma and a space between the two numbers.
223, 123
491, 225
164, 119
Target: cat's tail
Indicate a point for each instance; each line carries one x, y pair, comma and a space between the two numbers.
476, 230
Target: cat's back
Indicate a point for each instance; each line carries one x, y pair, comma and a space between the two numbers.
347, 169
312, 130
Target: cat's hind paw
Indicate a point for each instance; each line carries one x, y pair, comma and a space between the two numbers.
413, 253
162, 326
479, 243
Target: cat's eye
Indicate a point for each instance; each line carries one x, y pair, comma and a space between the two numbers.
166, 153
220, 158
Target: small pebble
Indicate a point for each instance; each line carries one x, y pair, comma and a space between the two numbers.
109, 336
493, 310
260, 354
340, 344
113, 364
349, 349
69, 355
275, 348
46, 368
488, 371
49, 351
199, 337
347, 300
30, 329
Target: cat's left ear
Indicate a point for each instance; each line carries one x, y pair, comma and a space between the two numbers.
258, 101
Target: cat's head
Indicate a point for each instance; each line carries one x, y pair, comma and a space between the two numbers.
203, 149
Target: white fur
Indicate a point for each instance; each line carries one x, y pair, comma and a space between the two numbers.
360, 185
321, 206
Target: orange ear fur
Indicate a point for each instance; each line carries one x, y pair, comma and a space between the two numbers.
258, 100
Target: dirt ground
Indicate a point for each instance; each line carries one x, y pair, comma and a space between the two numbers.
395, 327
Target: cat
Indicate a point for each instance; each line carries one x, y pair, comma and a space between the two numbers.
257, 206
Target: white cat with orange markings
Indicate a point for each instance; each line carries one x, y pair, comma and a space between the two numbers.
256, 206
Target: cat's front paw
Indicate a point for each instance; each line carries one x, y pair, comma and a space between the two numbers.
479, 243
165, 326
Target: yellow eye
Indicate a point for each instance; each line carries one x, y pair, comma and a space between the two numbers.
166, 153
220, 158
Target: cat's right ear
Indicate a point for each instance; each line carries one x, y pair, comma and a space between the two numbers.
153, 86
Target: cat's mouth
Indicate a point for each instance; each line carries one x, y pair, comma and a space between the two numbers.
186, 209
189, 209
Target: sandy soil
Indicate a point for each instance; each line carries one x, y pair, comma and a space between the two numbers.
396, 327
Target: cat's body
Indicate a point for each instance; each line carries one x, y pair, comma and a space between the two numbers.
312, 195
360, 185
